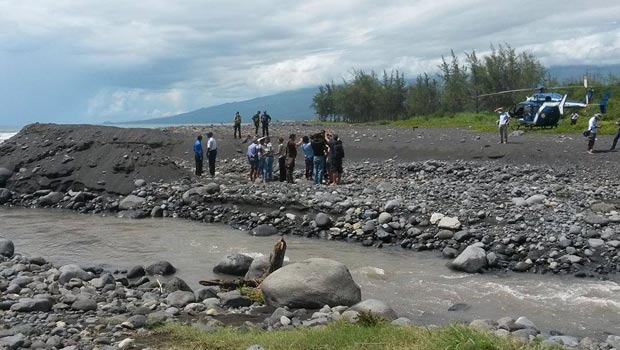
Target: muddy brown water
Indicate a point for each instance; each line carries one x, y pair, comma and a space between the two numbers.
416, 285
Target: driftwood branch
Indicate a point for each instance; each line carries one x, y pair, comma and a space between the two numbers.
276, 260
231, 284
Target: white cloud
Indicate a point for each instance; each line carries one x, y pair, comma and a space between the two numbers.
145, 59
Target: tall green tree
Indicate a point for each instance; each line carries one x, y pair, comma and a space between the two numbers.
424, 96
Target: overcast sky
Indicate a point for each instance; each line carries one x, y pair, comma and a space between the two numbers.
91, 61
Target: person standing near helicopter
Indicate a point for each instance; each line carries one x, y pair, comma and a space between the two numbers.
593, 130
504, 119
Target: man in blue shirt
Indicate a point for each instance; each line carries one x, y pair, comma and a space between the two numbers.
198, 155
306, 146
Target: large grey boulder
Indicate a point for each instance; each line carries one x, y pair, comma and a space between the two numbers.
449, 223
5, 174
67, 272
84, 305
180, 298
51, 198
131, 202
234, 299
594, 219
195, 194
7, 248
212, 188
384, 218
311, 284
472, 260
5, 195
30, 305
174, 284
376, 308
163, 268
322, 220
104, 280
12, 342
258, 268
136, 271
264, 230
234, 264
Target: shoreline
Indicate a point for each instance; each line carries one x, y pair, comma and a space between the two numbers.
524, 217
536, 218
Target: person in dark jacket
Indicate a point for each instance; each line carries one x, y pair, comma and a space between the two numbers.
265, 119
617, 137
256, 120
291, 154
336, 154
198, 155
237, 124
318, 149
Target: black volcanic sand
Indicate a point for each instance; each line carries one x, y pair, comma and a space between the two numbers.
375, 143
100, 158
109, 159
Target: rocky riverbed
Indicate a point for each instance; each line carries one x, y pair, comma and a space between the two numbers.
44, 306
495, 215
481, 214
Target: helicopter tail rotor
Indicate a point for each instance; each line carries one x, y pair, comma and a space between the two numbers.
561, 105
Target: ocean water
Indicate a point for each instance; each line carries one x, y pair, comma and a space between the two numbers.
6, 132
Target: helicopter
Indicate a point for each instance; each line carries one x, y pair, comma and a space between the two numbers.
544, 109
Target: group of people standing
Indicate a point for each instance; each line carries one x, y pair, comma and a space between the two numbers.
211, 154
323, 154
591, 132
258, 119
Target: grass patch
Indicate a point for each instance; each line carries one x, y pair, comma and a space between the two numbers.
486, 123
255, 294
335, 336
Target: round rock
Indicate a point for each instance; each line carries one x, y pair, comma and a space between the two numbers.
163, 268
311, 284
234, 264
323, 220
264, 230
375, 307
7, 248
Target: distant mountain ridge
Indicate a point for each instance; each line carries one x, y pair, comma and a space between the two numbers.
297, 104
288, 105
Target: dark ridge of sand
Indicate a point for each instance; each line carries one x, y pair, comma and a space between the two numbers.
100, 158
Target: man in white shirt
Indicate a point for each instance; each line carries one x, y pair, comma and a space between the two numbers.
211, 153
504, 119
593, 128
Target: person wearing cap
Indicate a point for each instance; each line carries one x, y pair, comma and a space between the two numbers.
237, 124
504, 119
617, 137
198, 155
593, 128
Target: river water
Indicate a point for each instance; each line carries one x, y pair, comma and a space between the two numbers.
416, 285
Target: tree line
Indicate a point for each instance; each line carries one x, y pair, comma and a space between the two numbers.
456, 88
